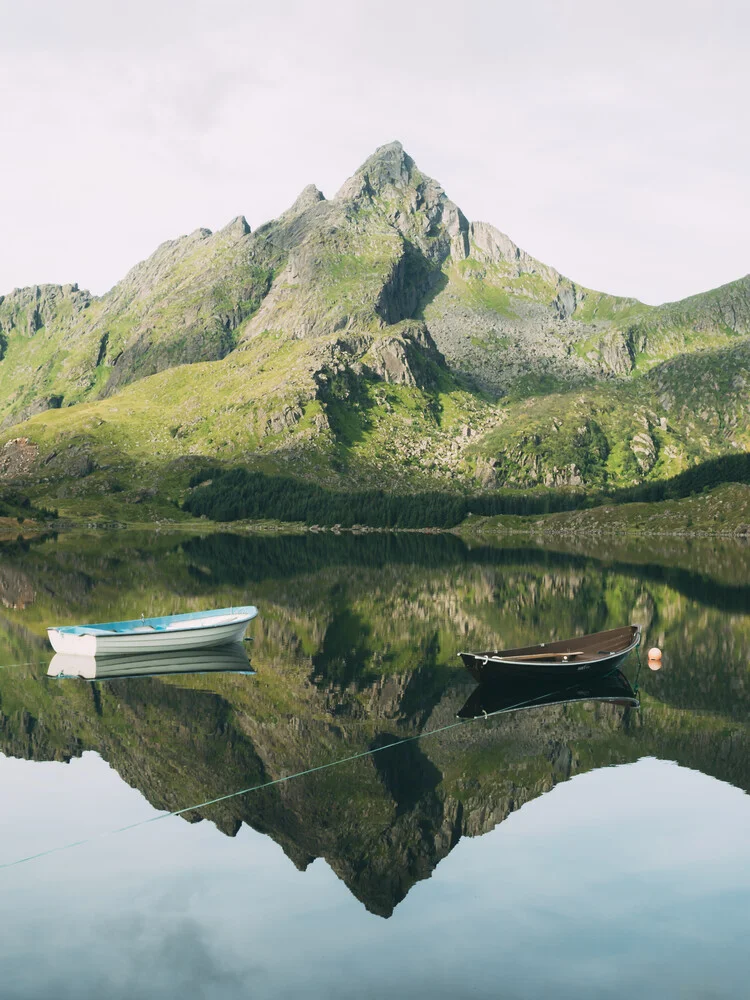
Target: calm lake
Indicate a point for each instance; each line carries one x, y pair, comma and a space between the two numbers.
568, 851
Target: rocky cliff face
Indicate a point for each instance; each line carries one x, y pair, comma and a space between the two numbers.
389, 284
27, 316
180, 306
27, 310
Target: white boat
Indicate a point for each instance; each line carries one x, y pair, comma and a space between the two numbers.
219, 659
196, 630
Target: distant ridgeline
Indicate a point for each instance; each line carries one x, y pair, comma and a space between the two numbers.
237, 494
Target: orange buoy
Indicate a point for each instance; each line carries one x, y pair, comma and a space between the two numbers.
654, 658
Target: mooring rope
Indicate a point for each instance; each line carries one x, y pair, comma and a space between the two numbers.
234, 795
31, 663
277, 781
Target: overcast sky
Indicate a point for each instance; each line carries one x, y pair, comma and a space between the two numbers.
609, 138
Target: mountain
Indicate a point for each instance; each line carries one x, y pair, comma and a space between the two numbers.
376, 337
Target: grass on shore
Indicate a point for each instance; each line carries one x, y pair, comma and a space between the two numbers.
721, 511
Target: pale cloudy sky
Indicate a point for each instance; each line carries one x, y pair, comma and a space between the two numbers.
608, 138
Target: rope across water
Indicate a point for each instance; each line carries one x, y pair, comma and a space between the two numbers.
30, 663
275, 781
234, 795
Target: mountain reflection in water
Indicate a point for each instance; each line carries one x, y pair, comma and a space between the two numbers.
355, 651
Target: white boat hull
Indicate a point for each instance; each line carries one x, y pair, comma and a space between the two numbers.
144, 640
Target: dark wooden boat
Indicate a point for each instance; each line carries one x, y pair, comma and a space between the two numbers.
514, 694
589, 655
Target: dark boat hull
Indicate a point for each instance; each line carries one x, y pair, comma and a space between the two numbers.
592, 655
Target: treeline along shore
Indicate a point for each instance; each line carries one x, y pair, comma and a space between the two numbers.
240, 494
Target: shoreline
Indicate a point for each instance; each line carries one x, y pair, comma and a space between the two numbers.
722, 513
465, 531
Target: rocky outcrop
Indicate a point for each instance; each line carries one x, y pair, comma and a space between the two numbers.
564, 303
644, 448
616, 353
411, 358
308, 198
405, 286
285, 419
17, 458
236, 229
491, 246
27, 310
40, 405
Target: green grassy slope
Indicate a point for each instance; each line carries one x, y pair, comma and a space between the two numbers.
723, 511
378, 338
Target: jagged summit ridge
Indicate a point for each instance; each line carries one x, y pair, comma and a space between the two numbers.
309, 197
239, 227
28, 310
414, 203
388, 166
304, 320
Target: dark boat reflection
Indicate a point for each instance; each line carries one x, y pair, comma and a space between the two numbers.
231, 658
516, 693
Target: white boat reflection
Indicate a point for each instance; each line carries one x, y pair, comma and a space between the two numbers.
231, 658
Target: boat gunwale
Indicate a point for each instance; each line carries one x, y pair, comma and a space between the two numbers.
514, 657
104, 630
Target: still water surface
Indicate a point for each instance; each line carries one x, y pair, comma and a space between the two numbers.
579, 850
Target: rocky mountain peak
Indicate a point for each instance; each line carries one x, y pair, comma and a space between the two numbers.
411, 201
308, 198
238, 227
390, 166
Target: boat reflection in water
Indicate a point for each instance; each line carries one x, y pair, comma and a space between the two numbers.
515, 693
231, 658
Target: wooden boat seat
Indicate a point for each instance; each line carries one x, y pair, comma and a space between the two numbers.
544, 656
